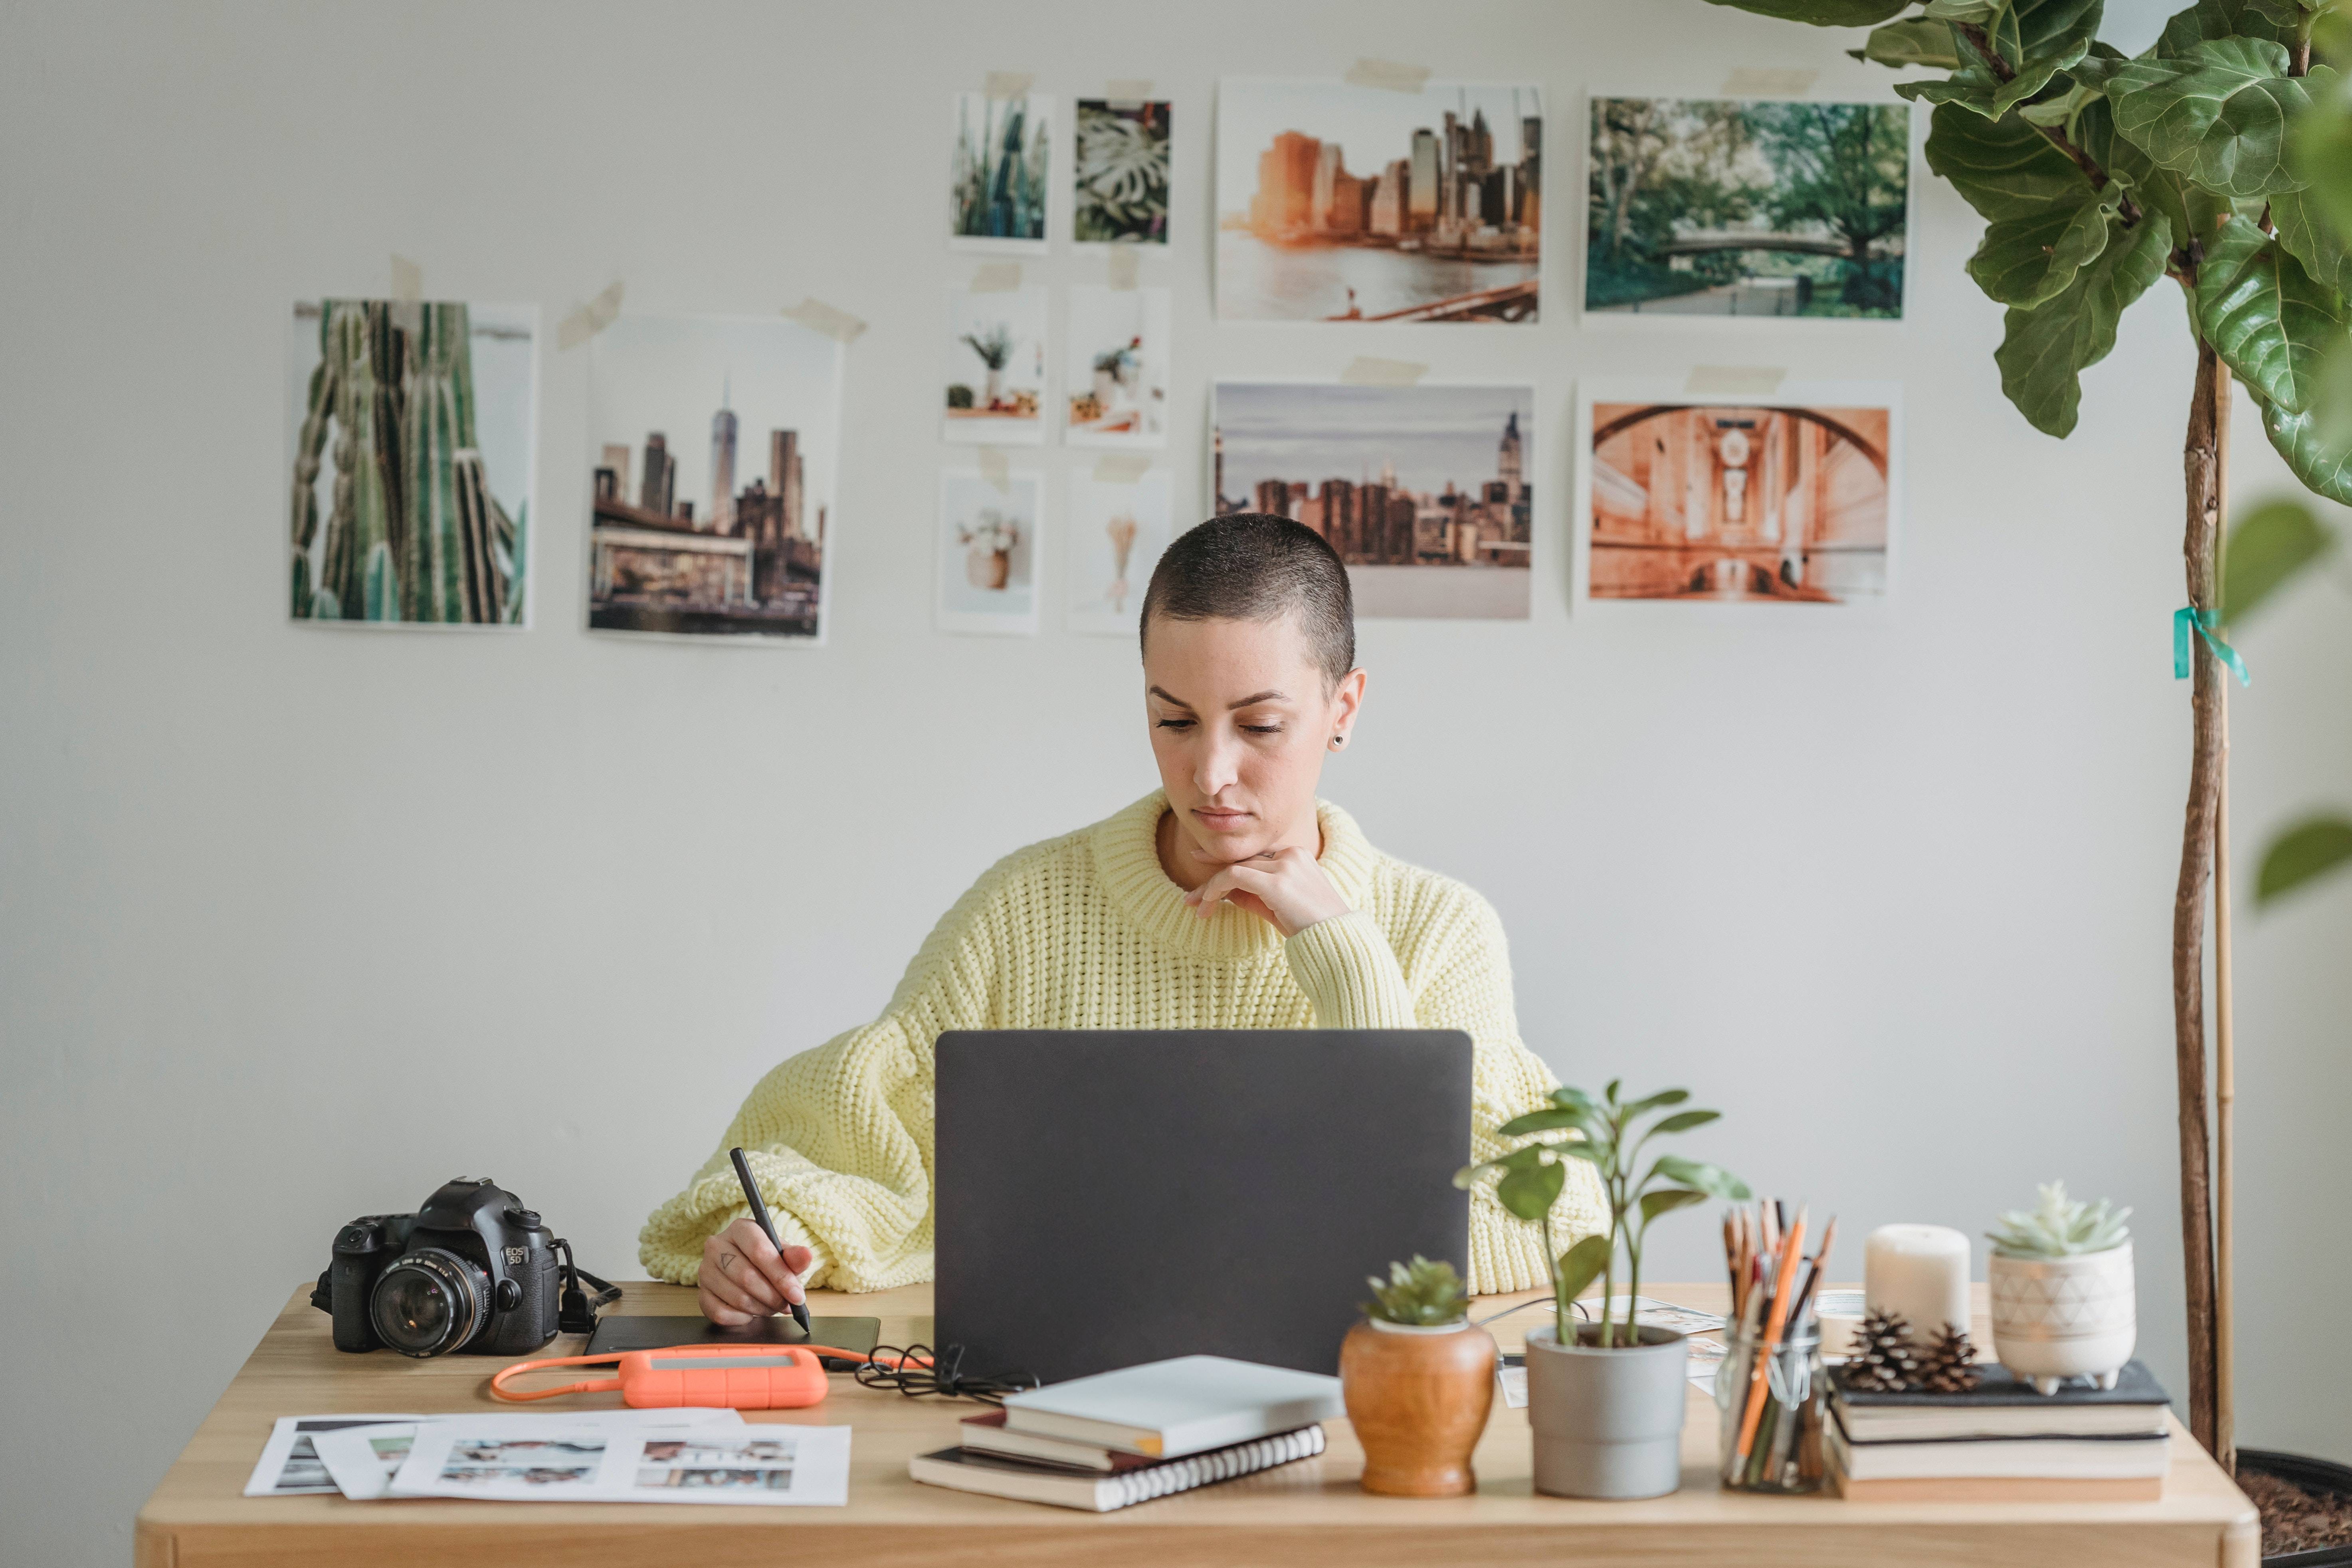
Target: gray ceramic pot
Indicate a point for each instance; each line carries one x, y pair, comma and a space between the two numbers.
1608, 1422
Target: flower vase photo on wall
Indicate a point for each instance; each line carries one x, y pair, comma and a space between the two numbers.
410, 444
996, 366
1786, 500
988, 552
1115, 367
997, 179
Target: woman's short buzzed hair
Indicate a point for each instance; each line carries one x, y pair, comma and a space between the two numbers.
1256, 566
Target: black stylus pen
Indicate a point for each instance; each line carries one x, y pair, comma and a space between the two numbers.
760, 1213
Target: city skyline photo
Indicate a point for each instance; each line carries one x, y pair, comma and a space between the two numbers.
1424, 490
712, 456
1341, 202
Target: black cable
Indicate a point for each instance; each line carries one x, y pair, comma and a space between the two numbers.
893, 1367
576, 1314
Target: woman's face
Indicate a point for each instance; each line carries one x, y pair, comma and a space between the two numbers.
1241, 719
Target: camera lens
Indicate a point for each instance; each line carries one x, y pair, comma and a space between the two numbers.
430, 1302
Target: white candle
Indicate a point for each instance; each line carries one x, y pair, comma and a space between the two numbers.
1920, 1273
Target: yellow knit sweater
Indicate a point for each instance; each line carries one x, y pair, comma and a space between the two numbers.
1085, 931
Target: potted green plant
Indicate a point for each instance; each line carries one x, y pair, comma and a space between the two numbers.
1605, 1398
1418, 1380
995, 349
2061, 1284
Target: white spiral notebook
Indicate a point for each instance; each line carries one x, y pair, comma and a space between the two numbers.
969, 1471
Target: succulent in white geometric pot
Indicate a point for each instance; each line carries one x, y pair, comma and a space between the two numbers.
2062, 1296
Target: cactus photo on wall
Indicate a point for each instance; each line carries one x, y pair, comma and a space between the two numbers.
412, 432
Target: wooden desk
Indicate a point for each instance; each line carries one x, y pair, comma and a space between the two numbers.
1310, 1512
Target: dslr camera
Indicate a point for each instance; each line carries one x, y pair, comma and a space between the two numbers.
471, 1270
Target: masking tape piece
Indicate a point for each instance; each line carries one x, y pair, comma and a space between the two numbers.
1365, 371
995, 470
589, 319
1387, 74
1121, 264
1127, 93
1121, 467
1009, 84
1733, 380
818, 316
1765, 81
996, 277
407, 280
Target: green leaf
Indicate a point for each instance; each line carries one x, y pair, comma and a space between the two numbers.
1663, 1096
2024, 260
1823, 12
1529, 1193
2216, 113
2003, 168
2035, 39
1580, 1265
1666, 1200
2303, 852
2189, 208
1684, 1120
2045, 350
2264, 316
1591, 1148
1541, 1122
2210, 20
1572, 1098
2319, 151
2311, 238
1913, 41
2320, 456
1612, 1091
1706, 1178
2269, 545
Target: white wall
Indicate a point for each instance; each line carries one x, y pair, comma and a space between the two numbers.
295, 924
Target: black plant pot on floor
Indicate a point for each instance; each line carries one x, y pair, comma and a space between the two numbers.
2311, 1475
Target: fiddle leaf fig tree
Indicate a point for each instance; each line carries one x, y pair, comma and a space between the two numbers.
2219, 158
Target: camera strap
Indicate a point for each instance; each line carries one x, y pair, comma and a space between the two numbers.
577, 1313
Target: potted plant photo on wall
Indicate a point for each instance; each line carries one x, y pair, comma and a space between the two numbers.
1605, 1397
996, 366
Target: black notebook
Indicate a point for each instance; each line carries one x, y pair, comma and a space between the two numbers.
2002, 1404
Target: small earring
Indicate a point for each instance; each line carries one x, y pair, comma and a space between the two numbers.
1339, 741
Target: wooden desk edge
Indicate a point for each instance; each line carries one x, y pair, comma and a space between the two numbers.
187, 1531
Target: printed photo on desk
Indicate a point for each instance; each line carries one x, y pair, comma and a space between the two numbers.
1424, 490
987, 547
999, 173
1746, 207
1357, 204
1116, 529
723, 536
1120, 191
996, 366
410, 443
1115, 371
1786, 500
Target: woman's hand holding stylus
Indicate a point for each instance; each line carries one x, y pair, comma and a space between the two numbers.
743, 1279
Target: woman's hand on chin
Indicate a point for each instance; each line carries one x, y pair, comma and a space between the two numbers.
1284, 887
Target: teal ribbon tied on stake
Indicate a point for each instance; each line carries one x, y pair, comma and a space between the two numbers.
2183, 620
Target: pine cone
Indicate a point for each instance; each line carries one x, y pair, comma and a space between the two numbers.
1949, 1364
1882, 1360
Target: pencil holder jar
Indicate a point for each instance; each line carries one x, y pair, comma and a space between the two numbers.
1771, 1404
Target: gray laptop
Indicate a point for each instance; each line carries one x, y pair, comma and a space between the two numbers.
1106, 1198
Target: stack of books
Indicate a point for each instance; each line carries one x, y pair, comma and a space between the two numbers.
1121, 1438
2002, 1442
